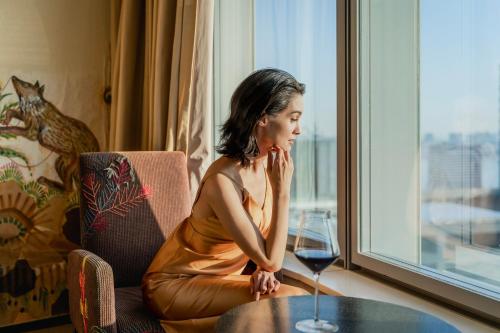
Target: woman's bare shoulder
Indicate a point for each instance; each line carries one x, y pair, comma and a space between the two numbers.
215, 182
222, 175
224, 166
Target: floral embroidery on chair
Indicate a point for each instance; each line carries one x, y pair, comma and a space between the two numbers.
112, 190
120, 172
83, 299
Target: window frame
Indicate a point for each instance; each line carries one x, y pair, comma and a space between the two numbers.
436, 286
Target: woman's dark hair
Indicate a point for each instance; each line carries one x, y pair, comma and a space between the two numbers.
266, 91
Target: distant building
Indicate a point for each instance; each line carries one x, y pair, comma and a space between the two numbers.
428, 138
315, 173
454, 166
455, 138
327, 168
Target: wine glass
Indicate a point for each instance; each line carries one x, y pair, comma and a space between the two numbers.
316, 248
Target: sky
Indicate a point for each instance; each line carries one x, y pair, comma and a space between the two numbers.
460, 66
459, 61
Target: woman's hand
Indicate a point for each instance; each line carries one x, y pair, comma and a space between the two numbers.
263, 282
280, 171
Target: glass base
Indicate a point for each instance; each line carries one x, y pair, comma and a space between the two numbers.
311, 326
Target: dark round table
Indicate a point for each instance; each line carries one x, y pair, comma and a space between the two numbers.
279, 315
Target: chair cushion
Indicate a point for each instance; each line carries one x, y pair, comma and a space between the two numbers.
132, 316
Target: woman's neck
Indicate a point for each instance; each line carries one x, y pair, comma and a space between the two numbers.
257, 162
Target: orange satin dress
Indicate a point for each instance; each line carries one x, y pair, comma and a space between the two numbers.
195, 276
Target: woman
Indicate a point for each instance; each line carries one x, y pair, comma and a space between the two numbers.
240, 213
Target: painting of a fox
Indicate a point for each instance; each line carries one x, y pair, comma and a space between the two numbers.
55, 131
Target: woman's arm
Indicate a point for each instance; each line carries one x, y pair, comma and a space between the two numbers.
226, 203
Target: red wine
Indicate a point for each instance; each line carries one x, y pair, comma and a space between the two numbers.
315, 260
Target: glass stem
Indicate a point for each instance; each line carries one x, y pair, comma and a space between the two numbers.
316, 298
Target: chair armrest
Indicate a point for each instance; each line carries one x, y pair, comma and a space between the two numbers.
91, 293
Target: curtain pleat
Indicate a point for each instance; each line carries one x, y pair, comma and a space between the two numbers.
162, 79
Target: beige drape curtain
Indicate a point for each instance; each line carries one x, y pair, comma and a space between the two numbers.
162, 78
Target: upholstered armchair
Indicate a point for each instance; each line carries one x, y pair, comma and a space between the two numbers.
130, 203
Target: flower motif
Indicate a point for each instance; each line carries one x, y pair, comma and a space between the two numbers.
27, 253
26, 230
146, 190
10, 230
83, 297
120, 172
116, 192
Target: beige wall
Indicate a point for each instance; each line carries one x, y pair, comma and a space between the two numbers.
65, 45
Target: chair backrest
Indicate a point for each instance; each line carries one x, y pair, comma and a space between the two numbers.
130, 204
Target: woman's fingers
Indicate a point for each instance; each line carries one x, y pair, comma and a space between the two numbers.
269, 160
279, 161
277, 285
256, 285
270, 284
279, 156
263, 283
288, 160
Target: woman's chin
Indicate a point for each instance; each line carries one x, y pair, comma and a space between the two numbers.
286, 146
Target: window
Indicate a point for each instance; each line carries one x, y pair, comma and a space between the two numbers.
287, 35
428, 146
418, 92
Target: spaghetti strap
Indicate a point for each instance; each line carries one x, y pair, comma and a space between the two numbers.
208, 175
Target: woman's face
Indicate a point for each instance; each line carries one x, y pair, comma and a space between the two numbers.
281, 129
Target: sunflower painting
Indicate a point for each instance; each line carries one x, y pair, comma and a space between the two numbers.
39, 214
32, 248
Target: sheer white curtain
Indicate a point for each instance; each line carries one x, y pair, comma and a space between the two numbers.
299, 36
